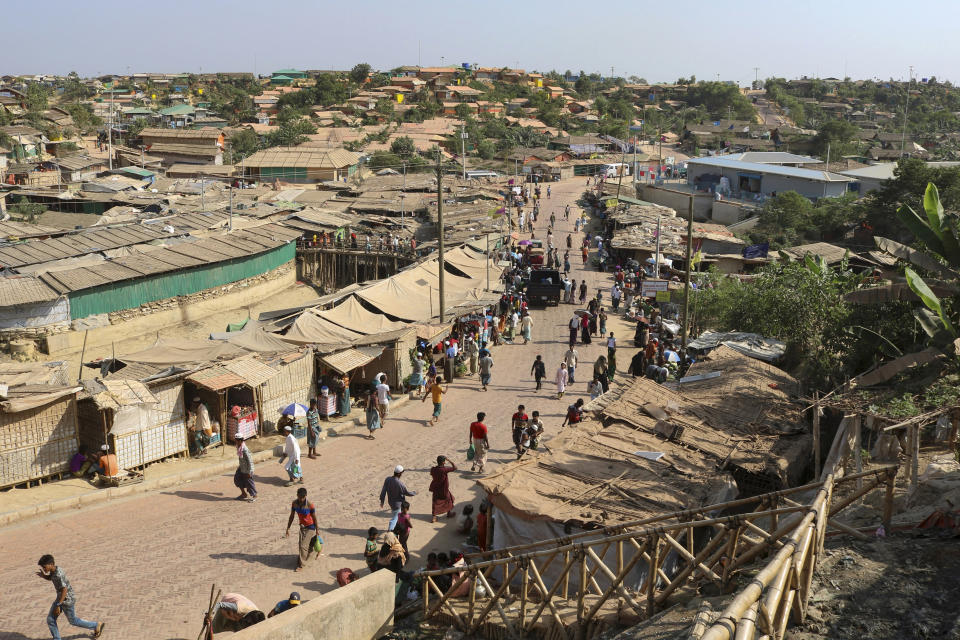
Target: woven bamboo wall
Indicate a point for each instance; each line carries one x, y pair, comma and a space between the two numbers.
294, 383
37, 443
165, 437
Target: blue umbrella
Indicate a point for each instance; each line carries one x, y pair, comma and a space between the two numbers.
296, 410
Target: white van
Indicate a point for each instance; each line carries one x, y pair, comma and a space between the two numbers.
615, 170
482, 174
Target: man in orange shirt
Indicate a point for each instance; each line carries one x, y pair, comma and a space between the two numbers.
108, 462
478, 438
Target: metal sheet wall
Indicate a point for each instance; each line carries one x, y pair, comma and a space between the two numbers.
133, 293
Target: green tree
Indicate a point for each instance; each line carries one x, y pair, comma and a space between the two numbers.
84, 117
909, 185
463, 111
37, 97
135, 128
242, 144
384, 159
73, 89
360, 72
784, 217
403, 147
291, 133
486, 149
838, 135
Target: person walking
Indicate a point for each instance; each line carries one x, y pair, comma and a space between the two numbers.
436, 394
394, 491
573, 291
440, 488
383, 398
561, 379
518, 422
307, 515
66, 600
313, 429
615, 294
291, 450
566, 265
243, 476
570, 359
538, 371
602, 321
566, 212
584, 253
583, 292
585, 329
486, 365
526, 327
472, 349
480, 442
372, 415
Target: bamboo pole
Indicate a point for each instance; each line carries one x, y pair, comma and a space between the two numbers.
750, 594
857, 448
547, 600
888, 502
494, 602
652, 575
582, 591
700, 621
714, 547
566, 574
686, 555
839, 506
445, 596
443, 601
426, 597
615, 585
472, 598
915, 459
816, 434
746, 629
524, 585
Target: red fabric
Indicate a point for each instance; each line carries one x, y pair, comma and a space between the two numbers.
478, 430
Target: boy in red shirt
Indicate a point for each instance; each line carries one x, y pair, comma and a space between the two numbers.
478, 438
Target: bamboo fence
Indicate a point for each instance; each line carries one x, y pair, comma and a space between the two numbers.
598, 570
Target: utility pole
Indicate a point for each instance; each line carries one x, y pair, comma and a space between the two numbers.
634, 168
906, 108
686, 286
623, 156
440, 232
756, 77
110, 138
230, 223
463, 148
656, 265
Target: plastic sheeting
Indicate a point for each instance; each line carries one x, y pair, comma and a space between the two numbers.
310, 328
39, 314
253, 338
351, 314
177, 352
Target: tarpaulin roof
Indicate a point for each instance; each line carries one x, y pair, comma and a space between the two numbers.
352, 315
172, 352
749, 344
350, 359
253, 338
28, 397
310, 328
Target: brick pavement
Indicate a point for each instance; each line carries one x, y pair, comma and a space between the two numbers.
145, 564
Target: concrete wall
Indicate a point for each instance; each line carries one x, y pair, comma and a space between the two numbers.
362, 610
728, 212
679, 201
808, 188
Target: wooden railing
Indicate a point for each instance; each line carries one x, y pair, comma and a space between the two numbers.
566, 587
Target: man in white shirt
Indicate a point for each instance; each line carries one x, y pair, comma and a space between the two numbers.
383, 398
615, 294
570, 359
291, 450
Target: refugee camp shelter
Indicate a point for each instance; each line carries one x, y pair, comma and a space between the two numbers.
38, 421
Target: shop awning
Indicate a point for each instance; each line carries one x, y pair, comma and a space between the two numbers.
216, 378
349, 359
253, 371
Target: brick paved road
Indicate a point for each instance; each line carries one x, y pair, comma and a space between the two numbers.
145, 565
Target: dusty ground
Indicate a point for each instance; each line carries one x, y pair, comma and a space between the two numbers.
902, 587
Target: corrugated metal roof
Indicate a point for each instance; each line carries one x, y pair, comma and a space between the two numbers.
16, 290
757, 167
228, 246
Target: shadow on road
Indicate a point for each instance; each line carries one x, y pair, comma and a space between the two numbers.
275, 560
206, 496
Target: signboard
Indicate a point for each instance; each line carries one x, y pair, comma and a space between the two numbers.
612, 203
649, 288
663, 296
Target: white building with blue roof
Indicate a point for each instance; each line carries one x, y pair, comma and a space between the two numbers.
742, 176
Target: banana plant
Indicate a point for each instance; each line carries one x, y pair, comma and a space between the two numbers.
938, 231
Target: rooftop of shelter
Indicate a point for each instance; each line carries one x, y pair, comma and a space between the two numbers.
730, 162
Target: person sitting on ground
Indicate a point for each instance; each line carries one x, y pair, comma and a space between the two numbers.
108, 463
372, 549
466, 522
284, 605
574, 413
432, 563
83, 464
391, 555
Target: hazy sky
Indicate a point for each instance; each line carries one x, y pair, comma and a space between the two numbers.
659, 40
